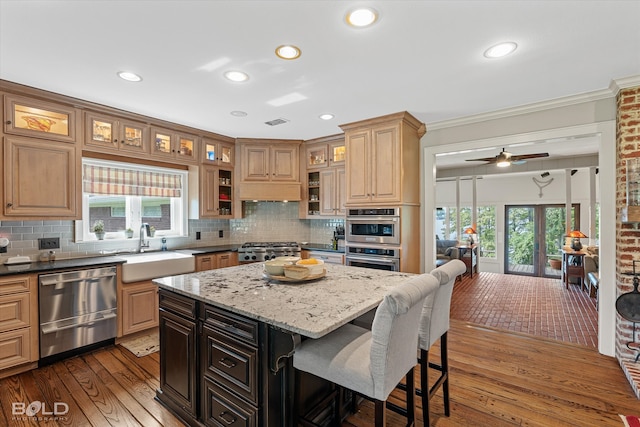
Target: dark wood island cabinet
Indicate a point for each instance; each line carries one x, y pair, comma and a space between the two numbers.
226, 337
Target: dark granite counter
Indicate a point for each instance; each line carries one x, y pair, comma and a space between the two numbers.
63, 264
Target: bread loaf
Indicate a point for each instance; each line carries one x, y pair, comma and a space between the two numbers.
295, 272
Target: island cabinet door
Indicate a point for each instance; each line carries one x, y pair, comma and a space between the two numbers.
178, 373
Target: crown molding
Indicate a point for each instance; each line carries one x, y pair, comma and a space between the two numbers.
617, 85
614, 87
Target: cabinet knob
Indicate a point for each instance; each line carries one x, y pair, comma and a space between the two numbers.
9, 204
8, 122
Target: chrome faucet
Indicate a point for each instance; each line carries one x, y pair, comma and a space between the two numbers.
141, 242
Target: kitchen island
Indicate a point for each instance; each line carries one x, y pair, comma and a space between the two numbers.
226, 336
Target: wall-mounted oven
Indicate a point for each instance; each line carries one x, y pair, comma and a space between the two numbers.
373, 225
380, 258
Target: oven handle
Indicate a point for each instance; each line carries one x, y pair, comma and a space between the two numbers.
373, 259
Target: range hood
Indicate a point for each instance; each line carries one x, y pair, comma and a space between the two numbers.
273, 191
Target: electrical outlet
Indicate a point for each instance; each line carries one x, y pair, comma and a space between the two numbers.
220, 233
197, 235
47, 243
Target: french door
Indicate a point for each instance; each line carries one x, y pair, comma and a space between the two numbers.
534, 235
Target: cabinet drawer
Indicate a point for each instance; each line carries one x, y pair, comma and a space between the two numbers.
231, 324
221, 409
231, 363
14, 311
13, 285
182, 306
15, 348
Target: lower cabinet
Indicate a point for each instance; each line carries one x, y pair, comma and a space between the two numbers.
139, 307
18, 324
217, 260
178, 356
221, 369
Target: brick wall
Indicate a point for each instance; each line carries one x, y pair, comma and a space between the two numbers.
627, 235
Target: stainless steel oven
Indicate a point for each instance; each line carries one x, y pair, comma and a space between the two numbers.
380, 258
374, 225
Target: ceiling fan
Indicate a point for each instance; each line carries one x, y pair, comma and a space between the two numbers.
505, 158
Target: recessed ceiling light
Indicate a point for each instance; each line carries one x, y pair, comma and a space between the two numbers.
236, 76
288, 51
326, 116
500, 50
129, 76
238, 113
361, 17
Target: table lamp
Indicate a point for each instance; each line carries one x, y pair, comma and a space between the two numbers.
470, 232
576, 235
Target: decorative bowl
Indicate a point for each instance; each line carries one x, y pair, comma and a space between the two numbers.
275, 267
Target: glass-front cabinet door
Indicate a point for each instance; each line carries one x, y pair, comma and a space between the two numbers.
169, 145
105, 133
337, 153
217, 152
317, 156
39, 119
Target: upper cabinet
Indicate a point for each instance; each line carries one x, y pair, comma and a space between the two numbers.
41, 179
217, 152
170, 145
325, 152
274, 161
382, 163
40, 119
108, 134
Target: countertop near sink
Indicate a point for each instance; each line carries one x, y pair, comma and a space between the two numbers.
44, 267
321, 247
209, 249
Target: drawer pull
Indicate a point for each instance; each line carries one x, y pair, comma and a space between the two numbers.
227, 418
227, 363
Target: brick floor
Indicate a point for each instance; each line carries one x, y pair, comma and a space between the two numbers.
531, 305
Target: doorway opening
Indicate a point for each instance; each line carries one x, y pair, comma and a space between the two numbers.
534, 237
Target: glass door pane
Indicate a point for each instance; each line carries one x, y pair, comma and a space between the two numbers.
520, 253
554, 232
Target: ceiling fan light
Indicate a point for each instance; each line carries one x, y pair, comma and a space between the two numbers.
503, 163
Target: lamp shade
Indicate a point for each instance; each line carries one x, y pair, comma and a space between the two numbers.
577, 233
470, 230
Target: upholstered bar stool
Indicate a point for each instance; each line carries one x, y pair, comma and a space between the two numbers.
434, 324
372, 362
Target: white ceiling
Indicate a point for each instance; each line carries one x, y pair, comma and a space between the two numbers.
421, 56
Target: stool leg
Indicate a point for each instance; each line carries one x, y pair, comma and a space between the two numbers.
381, 413
444, 362
411, 397
424, 384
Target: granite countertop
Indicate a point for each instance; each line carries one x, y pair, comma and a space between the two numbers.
312, 309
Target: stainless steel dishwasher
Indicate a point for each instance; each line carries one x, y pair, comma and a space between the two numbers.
77, 309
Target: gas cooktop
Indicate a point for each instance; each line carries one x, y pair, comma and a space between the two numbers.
264, 251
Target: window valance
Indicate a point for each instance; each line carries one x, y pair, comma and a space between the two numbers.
130, 182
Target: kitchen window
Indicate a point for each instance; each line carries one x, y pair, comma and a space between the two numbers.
125, 195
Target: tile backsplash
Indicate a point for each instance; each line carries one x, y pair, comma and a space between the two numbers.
262, 222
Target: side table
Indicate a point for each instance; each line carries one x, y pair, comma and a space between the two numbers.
573, 266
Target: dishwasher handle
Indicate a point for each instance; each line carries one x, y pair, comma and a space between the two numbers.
54, 279
77, 323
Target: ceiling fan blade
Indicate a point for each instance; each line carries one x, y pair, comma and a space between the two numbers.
528, 156
486, 159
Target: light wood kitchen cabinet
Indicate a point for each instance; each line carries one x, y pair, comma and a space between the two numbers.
18, 324
138, 307
274, 162
169, 145
40, 119
217, 152
216, 260
383, 160
332, 192
325, 152
41, 179
216, 192
115, 135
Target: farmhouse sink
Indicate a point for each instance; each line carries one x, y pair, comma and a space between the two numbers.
152, 265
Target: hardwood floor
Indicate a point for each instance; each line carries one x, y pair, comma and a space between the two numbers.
498, 378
